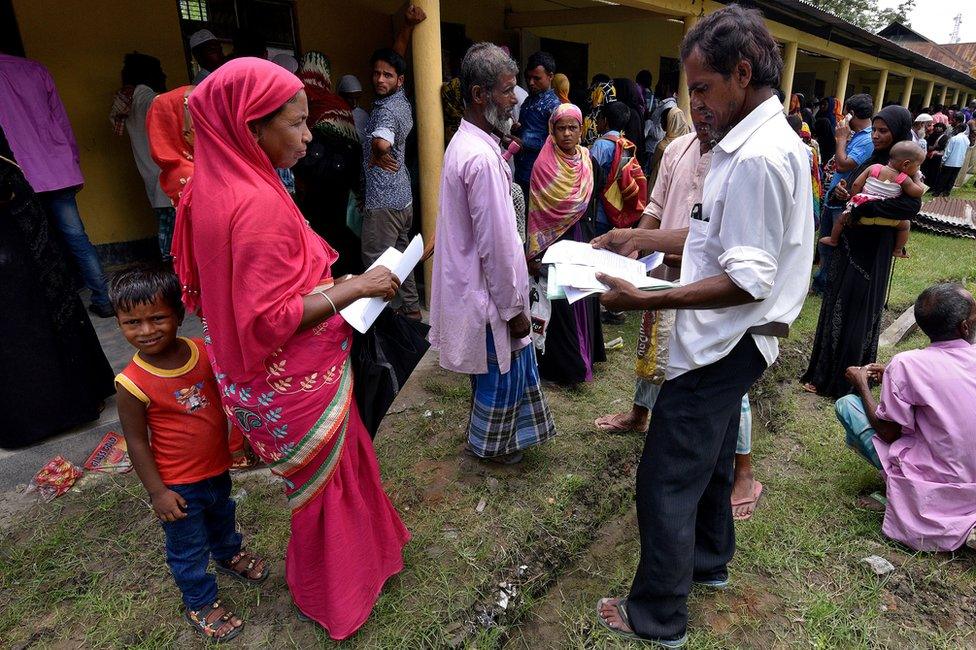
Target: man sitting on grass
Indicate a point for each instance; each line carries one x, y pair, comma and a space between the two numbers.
922, 432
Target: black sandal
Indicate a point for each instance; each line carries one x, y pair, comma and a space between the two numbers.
244, 575
209, 629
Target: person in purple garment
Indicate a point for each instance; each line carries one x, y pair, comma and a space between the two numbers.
37, 127
921, 434
479, 308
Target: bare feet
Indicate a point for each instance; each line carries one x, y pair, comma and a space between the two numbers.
810, 388
632, 420
828, 241
611, 615
901, 252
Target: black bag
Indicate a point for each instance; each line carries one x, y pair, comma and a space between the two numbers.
382, 360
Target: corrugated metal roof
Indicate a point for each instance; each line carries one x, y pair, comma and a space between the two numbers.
813, 20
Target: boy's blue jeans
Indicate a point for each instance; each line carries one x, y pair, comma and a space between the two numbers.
208, 530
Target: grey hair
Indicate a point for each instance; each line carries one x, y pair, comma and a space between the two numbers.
940, 310
483, 64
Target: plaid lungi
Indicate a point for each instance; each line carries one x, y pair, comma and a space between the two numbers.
508, 412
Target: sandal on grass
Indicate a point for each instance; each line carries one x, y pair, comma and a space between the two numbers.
613, 424
757, 492
232, 567
210, 620
621, 606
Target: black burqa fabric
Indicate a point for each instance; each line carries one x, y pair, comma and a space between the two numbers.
857, 280
55, 375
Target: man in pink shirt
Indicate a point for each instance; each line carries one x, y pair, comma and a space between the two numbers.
921, 434
479, 310
40, 135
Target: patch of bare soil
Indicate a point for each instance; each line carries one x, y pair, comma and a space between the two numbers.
542, 628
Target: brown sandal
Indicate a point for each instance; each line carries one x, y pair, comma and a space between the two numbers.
229, 567
200, 621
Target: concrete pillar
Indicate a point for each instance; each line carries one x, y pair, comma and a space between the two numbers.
942, 97
955, 95
929, 91
427, 68
906, 93
842, 76
789, 68
879, 93
684, 100
965, 98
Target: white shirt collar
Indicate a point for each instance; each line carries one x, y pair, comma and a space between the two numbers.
761, 114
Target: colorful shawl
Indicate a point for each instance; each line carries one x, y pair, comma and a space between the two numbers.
327, 111
121, 106
838, 110
560, 83
560, 188
170, 133
816, 179
601, 94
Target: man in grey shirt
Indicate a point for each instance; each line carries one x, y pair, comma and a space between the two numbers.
389, 202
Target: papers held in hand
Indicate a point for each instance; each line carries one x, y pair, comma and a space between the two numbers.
363, 313
575, 265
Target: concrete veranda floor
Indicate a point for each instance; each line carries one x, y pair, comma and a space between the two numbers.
19, 466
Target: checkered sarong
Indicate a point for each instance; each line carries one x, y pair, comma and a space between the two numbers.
508, 412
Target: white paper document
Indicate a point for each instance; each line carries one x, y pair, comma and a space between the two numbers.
573, 267
363, 313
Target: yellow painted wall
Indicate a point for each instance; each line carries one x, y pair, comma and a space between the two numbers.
82, 44
622, 49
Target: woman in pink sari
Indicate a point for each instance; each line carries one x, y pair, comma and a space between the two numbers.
261, 277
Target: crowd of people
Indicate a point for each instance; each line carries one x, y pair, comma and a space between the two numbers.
274, 191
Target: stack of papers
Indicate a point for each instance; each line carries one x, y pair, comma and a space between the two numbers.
364, 312
574, 266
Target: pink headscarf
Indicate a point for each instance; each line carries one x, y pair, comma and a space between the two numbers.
560, 187
241, 248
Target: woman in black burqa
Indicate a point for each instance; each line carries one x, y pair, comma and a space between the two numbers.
54, 373
857, 279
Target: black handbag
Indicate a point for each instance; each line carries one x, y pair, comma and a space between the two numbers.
382, 360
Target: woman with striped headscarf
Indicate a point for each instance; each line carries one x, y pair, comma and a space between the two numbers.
562, 205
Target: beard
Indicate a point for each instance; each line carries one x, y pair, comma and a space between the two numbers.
497, 118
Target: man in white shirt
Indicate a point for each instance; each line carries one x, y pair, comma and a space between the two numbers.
142, 80
746, 262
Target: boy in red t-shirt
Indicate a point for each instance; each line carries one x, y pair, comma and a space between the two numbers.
177, 436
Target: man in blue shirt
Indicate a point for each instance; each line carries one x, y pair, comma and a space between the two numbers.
953, 158
854, 146
610, 122
533, 127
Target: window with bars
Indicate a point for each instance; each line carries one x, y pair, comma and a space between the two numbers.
274, 19
194, 10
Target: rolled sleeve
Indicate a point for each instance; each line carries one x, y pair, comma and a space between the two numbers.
751, 269
752, 229
895, 404
383, 124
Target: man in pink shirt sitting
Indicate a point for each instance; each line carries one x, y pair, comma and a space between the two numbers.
921, 434
479, 308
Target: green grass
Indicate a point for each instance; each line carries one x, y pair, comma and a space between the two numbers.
88, 570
